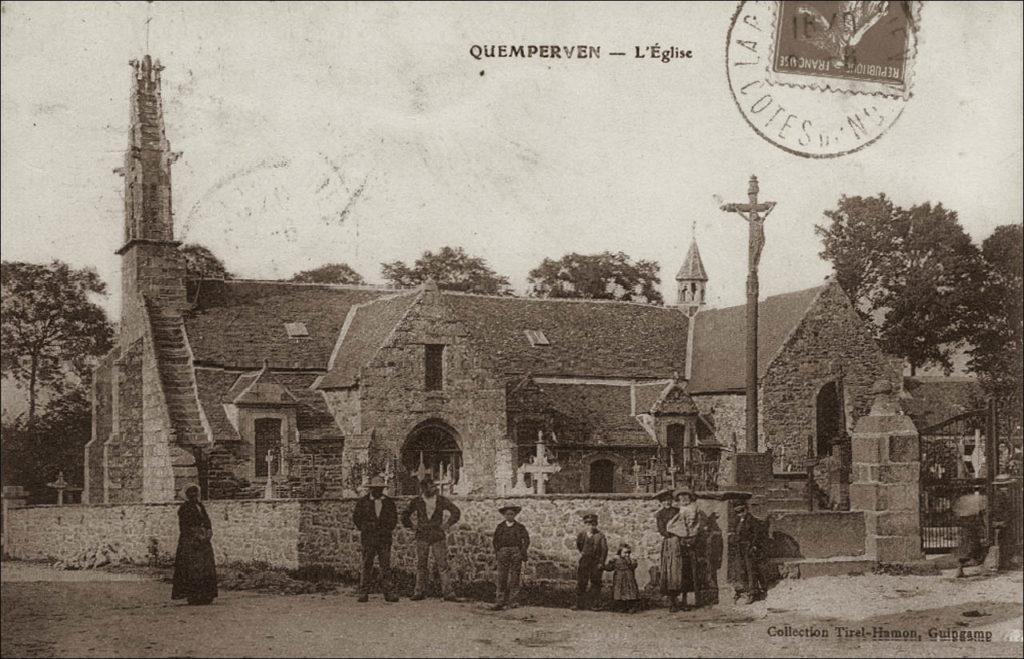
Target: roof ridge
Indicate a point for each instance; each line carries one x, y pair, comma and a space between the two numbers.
561, 299
819, 288
351, 287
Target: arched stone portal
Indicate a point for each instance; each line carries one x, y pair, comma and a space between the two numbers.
431, 450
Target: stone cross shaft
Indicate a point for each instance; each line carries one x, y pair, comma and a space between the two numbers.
755, 213
268, 493
60, 485
540, 468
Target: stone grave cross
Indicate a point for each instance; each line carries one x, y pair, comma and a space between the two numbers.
60, 485
422, 472
268, 493
540, 467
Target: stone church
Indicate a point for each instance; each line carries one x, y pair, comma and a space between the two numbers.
222, 382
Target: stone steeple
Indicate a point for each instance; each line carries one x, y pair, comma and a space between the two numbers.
691, 281
151, 266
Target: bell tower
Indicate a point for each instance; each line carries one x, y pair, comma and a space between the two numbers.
691, 281
151, 267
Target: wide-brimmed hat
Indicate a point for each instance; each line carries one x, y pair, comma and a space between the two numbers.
590, 517
1003, 479
664, 494
740, 506
510, 506
376, 481
684, 490
190, 486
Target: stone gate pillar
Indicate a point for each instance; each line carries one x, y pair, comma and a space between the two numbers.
885, 479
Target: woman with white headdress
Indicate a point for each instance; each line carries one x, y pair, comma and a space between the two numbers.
195, 575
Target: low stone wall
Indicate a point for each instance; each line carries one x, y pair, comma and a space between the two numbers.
819, 534
306, 532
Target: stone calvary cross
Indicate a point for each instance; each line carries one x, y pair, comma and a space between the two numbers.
540, 467
755, 214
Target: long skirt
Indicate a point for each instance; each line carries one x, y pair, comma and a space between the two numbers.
676, 566
969, 546
195, 575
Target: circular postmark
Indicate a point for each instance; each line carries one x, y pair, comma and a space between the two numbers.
822, 79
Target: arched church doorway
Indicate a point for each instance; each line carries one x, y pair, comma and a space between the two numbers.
830, 422
602, 476
431, 451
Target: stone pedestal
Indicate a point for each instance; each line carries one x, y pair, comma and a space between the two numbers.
885, 480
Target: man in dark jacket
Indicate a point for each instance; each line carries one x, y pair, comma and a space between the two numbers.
751, 553
376, 517
425, 514
511, 541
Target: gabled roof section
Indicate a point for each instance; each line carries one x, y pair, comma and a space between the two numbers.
931, 400
601, 413
365, 332
588, 338
693, 266
674, 399
238, 323
719, 350
260, 390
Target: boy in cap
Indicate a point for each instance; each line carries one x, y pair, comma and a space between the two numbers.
593, 548
511, 541
376, 518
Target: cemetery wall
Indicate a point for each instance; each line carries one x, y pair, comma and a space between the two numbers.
292, 533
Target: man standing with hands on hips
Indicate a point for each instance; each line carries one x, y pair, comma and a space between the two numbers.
425, 514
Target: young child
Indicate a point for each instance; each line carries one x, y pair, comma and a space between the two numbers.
624, 588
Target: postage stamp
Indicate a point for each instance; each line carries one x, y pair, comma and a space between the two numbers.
822, 79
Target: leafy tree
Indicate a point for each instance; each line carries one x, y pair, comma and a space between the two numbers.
452, 269
604, 276
914, 272
32, 457
201, 263
331, 273
996, 353
50, 327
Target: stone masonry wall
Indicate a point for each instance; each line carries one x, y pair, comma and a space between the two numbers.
102, 425
729, 414
831, 344
124, 448
393, 399
298, 532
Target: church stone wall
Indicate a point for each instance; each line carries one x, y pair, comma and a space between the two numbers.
102, 426
125, 447
832, 343
393, 398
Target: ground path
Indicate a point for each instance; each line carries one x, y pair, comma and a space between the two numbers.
90, 613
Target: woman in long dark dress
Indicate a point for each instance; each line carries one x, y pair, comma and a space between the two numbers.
195, 575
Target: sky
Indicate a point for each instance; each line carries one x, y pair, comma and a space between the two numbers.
364, 133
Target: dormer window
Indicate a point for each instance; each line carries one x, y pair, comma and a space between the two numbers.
536, 338
296, 330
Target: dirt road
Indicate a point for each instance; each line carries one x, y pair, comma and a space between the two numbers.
50, 613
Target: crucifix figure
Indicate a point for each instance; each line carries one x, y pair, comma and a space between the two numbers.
755, 214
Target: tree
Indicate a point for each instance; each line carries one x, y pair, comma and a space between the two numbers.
452, 269
913, 272
996, 353
604, 276
331, 273
51, 331
201, 263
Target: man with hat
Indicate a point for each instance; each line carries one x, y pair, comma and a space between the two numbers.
376, 517
670, 579
425, 514
593, 548
511, 541
750, 551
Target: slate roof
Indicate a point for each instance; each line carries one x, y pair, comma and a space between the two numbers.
693, 266
217, 387
587, 338
719, 350
932, 400
238, 323
602, 412
647, 395
366, 331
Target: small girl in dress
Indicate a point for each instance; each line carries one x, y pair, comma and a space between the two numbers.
624, 588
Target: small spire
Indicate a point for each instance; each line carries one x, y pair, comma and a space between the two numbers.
693, 266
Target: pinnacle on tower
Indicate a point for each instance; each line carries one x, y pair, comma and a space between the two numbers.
691, 281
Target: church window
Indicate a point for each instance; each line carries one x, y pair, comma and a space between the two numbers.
434, 367
536, 338
296, 330
268, 439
